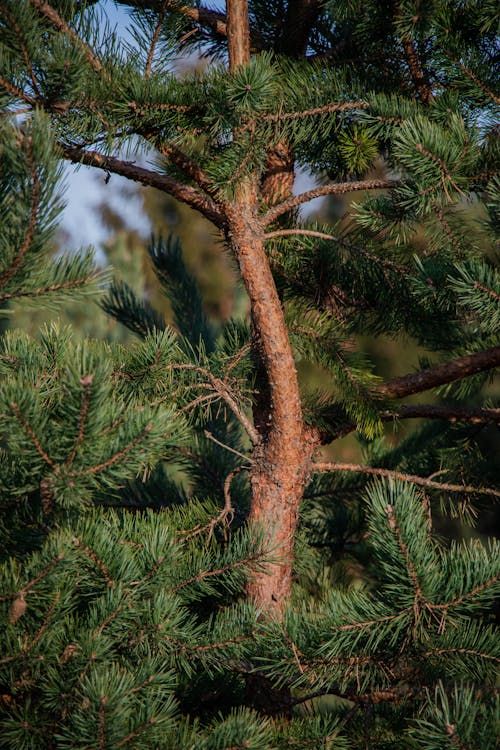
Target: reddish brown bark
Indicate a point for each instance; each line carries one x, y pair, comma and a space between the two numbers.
277, 183
282, 458
418, 77
447, 372
238, 33
185, 193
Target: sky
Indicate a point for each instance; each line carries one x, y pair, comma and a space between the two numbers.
85, 187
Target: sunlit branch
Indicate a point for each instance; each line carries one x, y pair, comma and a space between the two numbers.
335, 188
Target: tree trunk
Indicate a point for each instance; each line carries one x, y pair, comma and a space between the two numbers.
282, 459
283, 456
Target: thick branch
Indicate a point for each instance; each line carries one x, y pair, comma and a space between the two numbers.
335, 188
131, 171
448, 372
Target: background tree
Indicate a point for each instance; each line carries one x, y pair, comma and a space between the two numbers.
336, 90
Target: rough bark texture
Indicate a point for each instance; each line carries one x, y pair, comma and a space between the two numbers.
283, 457
277, 183
238, 33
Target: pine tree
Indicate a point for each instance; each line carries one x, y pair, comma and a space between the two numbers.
183, 563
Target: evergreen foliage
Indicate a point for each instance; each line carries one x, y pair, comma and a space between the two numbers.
128, 473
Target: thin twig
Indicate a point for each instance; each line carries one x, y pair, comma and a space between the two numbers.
30, 232
91, 555
413, 478
24, 590
44, 625
227, 513
219, 571
467, 595
412, 573
154, 40
17, 412
19, 293
225, 446
27, 61
60, 24
18, 93
341, 241
476, 80
466, 651
137, 731
102, 722
224, 391
86, 382
109, 619
322, 110
116, 457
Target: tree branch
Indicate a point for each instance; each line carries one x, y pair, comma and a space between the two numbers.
299, 232
17, 93
17, 261
476, 80
413, 478
154, 40
448, 372
190, 168
418, 76
335, 188
27, 61
423, 411
224, 391
212, 19
131, 171
60, 24
20, 293
447, 413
